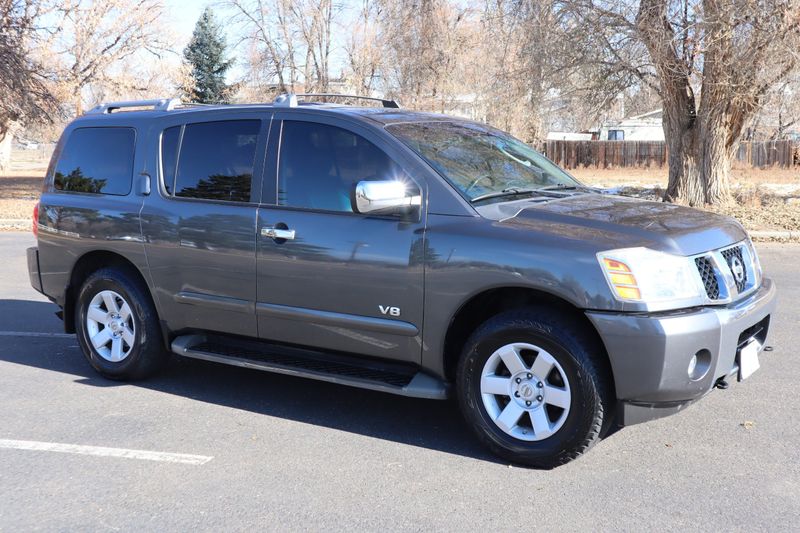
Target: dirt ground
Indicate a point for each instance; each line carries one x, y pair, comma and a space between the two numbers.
19, 191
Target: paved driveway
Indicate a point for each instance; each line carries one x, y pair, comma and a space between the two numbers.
205, 446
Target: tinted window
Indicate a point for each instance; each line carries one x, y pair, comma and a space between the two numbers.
169, 156
320, 166
97, 160
216, 160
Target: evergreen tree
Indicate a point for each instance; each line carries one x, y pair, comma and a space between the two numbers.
206, 57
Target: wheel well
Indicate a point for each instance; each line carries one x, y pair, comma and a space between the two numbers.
485, 305
83, 268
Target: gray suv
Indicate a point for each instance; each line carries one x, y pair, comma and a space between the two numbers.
404, 252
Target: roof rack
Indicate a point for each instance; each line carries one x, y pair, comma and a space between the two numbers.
164, 104
290, 99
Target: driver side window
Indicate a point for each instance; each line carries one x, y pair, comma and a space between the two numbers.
320, 165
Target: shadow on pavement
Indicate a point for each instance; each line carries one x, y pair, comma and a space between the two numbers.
429, 424
29, 315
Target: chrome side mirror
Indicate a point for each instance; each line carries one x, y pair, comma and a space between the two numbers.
386, 197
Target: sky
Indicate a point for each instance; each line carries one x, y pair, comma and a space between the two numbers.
185, 14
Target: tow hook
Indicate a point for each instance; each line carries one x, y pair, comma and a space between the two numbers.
721, 384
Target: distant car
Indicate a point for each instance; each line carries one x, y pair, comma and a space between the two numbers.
405, 252
27, 145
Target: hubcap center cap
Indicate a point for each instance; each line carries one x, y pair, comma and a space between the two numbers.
526, 391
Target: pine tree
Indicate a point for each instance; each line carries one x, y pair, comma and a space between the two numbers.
205, 55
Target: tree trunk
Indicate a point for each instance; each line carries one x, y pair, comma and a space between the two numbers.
699, 159
700, 141
6, 138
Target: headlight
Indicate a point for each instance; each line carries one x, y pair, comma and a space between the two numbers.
756, 261
657, 279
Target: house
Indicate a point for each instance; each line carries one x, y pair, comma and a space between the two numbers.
645, 127
570, 136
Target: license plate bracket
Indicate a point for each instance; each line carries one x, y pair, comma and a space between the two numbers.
747, 359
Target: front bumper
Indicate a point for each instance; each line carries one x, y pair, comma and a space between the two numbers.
650, 353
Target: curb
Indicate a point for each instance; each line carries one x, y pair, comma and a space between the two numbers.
6, 223
782, 235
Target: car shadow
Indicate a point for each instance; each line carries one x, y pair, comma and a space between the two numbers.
431, 424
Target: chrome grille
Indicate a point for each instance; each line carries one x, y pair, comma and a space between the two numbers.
706, 270
728, 273
736, 263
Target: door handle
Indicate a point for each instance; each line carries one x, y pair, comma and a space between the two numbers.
277, 233
145, 183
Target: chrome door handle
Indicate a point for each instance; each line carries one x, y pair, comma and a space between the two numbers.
277, 233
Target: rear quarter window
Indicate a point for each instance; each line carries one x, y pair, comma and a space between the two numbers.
97, 160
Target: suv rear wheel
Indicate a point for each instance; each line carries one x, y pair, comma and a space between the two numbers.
117, 325
530, 385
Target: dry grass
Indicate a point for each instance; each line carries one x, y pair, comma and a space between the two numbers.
19, 191
611, 177
765, 199
759, 208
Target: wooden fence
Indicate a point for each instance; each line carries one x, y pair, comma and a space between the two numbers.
784, 154
607, 154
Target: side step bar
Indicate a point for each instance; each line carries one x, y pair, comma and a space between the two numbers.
342, 370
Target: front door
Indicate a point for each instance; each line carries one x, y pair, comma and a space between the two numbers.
329, 277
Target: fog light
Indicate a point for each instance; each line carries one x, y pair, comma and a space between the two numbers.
699, 365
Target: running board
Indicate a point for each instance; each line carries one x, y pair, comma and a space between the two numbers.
343, 370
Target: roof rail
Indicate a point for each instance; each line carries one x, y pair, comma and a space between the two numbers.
290, 99
163, 104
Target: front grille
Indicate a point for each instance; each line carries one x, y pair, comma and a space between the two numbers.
706, 270
732, 256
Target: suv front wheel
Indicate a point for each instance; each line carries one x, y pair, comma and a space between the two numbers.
531, 385
117, 325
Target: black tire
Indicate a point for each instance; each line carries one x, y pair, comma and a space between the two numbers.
147, 352
582, 361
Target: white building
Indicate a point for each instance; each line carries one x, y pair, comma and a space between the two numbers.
645, 127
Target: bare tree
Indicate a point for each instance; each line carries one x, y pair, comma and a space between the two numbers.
422, 42
364, 50
24, 95
780, 112
92, 40
526, 61
711, 61
290, 41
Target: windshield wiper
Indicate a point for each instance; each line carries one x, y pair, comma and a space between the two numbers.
559, 187
511, 191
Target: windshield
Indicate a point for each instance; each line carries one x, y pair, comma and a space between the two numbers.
481, 162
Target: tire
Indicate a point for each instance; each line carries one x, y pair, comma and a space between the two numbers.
134, 328
568, 403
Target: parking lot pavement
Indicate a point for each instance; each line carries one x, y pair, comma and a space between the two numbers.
280, 453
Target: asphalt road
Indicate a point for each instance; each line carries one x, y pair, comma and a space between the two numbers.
281, 453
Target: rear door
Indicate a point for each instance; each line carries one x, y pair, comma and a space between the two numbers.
199, 222
346, 281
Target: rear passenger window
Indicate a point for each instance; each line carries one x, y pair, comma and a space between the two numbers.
97, 160
320, 166
215, 159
